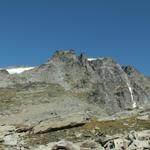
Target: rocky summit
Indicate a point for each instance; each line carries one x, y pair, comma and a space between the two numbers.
73, 102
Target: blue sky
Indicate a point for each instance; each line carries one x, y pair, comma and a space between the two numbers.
31, 30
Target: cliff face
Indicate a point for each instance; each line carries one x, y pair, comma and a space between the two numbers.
103, 81
72, 83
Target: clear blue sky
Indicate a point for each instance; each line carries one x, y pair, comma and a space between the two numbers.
31, 30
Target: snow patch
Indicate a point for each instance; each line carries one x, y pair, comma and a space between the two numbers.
92, 59
19, 70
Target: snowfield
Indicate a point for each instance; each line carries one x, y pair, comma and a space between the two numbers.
18, 70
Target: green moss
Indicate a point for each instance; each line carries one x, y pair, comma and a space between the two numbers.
7, 94
54, 90
118, 126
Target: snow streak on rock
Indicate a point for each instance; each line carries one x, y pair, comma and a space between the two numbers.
131, 92
91, 59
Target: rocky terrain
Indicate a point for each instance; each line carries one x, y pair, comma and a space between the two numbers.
73, 102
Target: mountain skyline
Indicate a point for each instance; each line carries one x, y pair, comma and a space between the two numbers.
32, 30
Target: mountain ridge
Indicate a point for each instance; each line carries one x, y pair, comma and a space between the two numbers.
102, 80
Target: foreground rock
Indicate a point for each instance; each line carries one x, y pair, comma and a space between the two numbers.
140, 140
10, 139
132, 141
60, 123
66, 145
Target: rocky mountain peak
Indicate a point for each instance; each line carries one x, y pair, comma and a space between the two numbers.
4, 72
129, 69
102, 81
64, 55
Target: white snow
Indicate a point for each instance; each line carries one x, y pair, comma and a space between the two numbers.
92, 59
18, 70
131, 92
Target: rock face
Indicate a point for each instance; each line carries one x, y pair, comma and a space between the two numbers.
98, 86
140, 85
103, 81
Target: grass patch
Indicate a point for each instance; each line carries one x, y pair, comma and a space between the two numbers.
118, 126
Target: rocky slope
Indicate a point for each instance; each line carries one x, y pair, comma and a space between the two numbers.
69, 91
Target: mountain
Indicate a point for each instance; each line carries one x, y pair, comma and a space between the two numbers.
70, 86
102, 81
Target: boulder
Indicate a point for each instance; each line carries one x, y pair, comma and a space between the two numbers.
65, 145
60, 123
